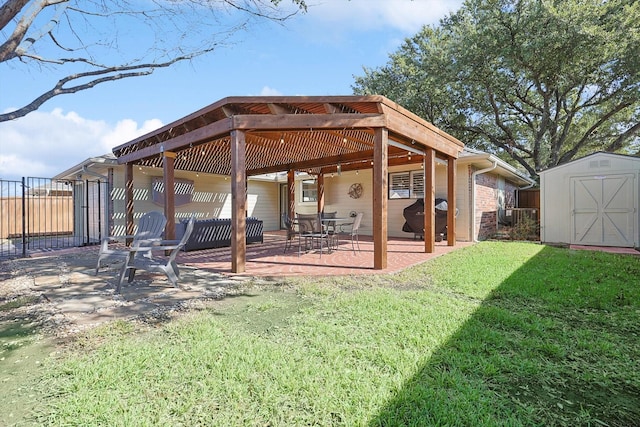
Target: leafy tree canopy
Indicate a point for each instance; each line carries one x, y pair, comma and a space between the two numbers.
89, 42
538, 82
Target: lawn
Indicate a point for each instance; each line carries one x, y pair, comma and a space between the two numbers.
499, 333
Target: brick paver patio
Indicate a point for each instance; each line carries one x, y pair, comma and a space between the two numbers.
269, 259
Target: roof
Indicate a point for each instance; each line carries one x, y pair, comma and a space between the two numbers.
84, 167
588, 156
312, 134
484, 160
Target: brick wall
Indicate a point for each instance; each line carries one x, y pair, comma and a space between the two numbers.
486, 205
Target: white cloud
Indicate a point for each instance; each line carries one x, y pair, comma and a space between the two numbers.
268, 91
407, 16
43, 144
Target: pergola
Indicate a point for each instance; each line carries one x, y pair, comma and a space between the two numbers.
254, 135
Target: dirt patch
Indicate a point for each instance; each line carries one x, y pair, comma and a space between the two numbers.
61, 295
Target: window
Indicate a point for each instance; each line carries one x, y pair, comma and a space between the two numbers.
182, 189
309, 190
406, 185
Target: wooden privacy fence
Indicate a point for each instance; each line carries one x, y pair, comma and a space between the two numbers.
45, 216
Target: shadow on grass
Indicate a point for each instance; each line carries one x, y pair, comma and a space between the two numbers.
556, 343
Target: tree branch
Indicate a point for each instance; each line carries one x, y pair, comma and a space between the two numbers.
617, 144
588, 134
108, 74
9, 10
8, 48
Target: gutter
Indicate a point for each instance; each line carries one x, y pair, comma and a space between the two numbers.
85, 170
473, 197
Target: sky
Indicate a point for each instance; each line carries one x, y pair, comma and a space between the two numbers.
317, 53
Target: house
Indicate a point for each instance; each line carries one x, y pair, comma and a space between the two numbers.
209, 195
592, 201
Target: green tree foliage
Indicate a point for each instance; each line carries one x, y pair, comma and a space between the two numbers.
538, 82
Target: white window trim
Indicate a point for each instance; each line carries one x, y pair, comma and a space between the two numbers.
406, 178
302, 191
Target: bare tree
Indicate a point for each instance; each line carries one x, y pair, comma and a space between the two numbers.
83, 43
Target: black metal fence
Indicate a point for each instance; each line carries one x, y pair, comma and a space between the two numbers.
40, 214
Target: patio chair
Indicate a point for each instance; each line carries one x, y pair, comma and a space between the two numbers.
290, 226
310, 229
353, 232
330, 227
167, 265
150, 227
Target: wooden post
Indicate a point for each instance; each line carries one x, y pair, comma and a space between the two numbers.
128, 200
320, 191
429, 200
168, 160
380, 171
451, 201
238, 202
291, 188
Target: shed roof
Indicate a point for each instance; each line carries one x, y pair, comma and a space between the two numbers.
590, 157
303, 133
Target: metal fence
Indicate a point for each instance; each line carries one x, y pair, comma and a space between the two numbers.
39, 214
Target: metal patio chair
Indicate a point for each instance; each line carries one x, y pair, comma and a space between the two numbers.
292, 233
310, 229
353, 232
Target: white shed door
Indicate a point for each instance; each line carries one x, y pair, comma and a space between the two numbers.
602, 210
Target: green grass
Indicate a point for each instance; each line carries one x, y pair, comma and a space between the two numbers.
496, 334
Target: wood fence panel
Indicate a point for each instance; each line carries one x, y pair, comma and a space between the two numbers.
48, 216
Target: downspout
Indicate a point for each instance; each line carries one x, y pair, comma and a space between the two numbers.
473, 197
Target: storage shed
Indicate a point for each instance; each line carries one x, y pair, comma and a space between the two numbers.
592, 201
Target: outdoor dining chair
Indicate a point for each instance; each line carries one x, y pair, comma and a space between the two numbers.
292, 233
311, 231
330, 227
150, 226
353, 231
166, 265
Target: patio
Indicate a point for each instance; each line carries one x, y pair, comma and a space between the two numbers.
269, 260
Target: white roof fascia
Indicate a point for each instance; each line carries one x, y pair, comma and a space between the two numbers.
71, 173
503, 168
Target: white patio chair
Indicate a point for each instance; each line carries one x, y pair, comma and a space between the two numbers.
150, 227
